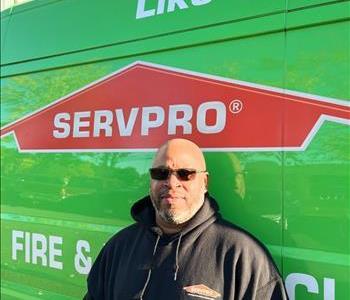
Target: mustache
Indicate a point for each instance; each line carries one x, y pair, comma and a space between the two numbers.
169, 193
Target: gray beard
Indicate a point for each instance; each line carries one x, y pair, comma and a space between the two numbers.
176, 219
169, 217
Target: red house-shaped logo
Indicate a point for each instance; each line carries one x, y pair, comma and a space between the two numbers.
140, 106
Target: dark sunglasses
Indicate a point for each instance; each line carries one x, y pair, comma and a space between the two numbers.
182, 174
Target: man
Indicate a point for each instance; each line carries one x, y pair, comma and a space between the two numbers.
179, 247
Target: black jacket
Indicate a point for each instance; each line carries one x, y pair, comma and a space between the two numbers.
209, 259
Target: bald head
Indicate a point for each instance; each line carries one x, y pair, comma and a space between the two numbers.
183, 148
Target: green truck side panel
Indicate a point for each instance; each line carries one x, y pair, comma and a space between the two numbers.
297, 203
119, 24
317, 182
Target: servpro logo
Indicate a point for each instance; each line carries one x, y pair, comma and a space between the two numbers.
143, 104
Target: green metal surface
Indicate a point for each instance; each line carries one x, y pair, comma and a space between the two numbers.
317, 182
297, 203
302, 4
118, 25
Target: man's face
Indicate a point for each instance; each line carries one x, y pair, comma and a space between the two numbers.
176, 201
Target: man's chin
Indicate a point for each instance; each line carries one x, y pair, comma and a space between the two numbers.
173, 218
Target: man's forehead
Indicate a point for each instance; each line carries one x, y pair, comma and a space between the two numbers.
176, 160
179, 153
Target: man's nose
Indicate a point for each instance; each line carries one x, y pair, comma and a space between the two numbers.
173, 181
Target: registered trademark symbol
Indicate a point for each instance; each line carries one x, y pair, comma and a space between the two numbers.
236, 106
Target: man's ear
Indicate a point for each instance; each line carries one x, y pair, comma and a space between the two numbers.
206, 182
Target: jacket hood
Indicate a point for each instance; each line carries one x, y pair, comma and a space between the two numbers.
143, 212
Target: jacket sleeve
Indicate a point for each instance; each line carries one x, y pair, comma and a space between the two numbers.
274, 290
97, 277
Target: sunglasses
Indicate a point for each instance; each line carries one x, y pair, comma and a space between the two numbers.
182, 174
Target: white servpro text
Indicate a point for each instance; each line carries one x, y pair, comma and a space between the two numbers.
107, 123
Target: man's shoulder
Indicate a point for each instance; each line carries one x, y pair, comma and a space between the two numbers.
244, 247
233, 236
122, 236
